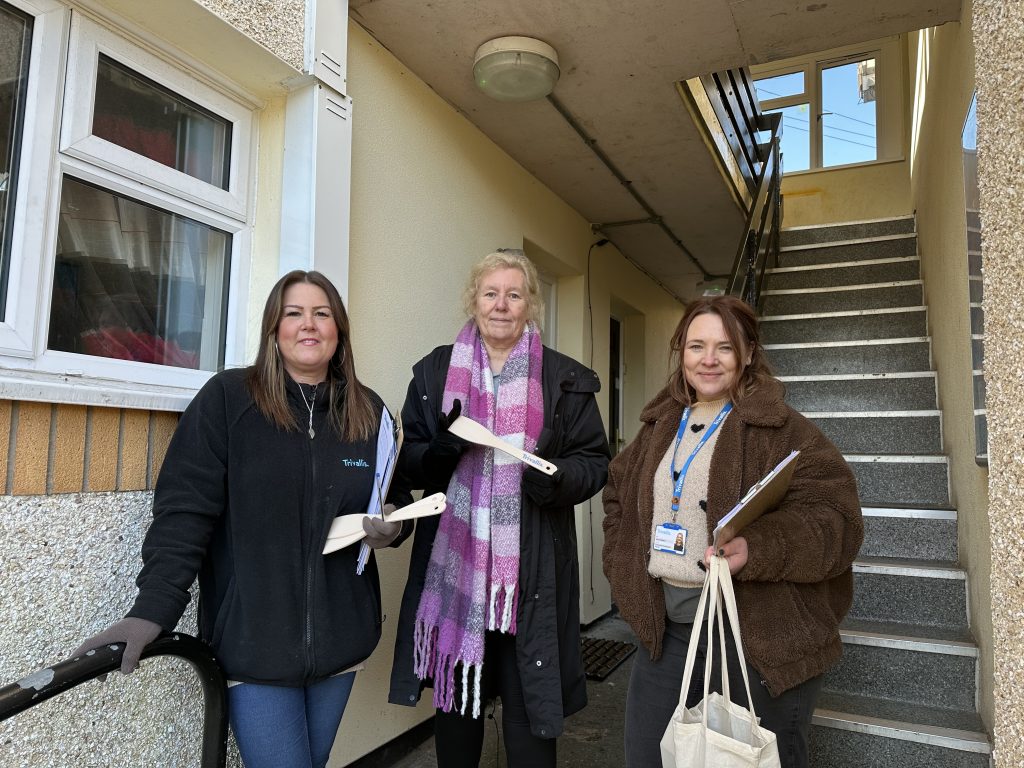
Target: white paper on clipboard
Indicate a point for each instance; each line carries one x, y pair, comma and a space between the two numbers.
762, 497
389, 443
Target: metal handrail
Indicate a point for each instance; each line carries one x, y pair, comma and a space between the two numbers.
759, 244
51, 681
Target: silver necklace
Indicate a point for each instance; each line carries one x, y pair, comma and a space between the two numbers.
309, 405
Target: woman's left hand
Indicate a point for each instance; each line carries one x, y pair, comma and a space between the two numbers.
734, 551
379, 532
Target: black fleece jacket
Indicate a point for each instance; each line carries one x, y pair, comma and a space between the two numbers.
247, 506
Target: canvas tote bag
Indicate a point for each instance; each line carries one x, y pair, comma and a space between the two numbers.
716, 733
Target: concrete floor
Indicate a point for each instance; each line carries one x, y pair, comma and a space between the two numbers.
592, 738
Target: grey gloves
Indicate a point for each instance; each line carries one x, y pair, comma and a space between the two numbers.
445, 448
380, 533
135, 633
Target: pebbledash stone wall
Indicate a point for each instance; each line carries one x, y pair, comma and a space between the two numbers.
998, 28
278, 25
67, 570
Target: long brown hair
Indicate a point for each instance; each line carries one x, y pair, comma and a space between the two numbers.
740, 325
351, 412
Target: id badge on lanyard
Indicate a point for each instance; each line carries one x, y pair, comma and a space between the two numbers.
671, 537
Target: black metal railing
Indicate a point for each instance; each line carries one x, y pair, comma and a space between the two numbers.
52, 681
733, 98
759, 244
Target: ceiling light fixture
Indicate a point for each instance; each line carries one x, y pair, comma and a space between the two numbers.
516, 68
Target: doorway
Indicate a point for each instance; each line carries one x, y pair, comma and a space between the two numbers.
615, 436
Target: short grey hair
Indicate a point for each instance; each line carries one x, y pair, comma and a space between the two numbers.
506, 258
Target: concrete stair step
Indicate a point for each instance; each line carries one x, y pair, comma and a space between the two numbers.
791, 301
872, 732
854, 249
897, 432
909, 390
856, 272
912, 533
955, 635
885, 480
853, 230
900, 590
844, 357
911, 668
849, 325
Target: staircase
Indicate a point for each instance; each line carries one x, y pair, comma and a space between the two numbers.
845, 327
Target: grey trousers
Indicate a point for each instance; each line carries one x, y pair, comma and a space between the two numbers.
654, 693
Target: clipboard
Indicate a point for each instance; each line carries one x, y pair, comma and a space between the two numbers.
348, 529
764, 496
389, 443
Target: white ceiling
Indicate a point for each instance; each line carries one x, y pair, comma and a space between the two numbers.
620, 64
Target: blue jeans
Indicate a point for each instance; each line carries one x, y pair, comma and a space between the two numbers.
280, 727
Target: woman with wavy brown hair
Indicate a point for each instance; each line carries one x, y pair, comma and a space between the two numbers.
262, 461
718, 427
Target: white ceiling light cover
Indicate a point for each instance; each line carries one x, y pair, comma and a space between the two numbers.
516, 68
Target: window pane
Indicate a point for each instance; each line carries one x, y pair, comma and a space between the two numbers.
137, 114
796, 137
780, 86
15, 42
848, 113
135, 282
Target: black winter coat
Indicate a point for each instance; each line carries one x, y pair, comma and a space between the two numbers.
548, 622
247, 507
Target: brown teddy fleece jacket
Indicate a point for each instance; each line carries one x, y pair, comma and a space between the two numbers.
798, 582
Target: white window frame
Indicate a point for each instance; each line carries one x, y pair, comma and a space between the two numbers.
28, 370
549, 292
88, 41
887, 53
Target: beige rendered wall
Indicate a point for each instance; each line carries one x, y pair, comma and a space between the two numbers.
998, 27
838, 194
942, 71
431, 194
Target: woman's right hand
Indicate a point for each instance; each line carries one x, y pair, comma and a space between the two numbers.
135, 633
445, 448
734, 551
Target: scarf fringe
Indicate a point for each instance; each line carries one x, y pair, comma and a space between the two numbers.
441, 669
503, 602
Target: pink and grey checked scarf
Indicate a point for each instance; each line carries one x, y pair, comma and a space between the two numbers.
472, 578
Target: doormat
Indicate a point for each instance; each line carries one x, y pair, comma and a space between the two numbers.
601, 657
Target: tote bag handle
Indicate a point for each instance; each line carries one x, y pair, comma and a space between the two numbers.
717, 584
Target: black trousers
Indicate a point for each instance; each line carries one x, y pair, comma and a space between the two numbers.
459, 739
654, 693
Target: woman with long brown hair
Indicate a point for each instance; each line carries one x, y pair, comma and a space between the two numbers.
718, 427
262, 461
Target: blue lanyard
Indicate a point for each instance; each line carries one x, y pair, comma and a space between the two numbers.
677, 489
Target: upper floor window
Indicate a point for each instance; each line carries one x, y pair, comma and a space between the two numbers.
129, 234
15, 39
134, 112
838, 107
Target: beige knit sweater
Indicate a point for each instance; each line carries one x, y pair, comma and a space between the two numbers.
682, 570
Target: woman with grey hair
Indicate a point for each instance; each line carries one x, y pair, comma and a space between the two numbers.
491, 606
